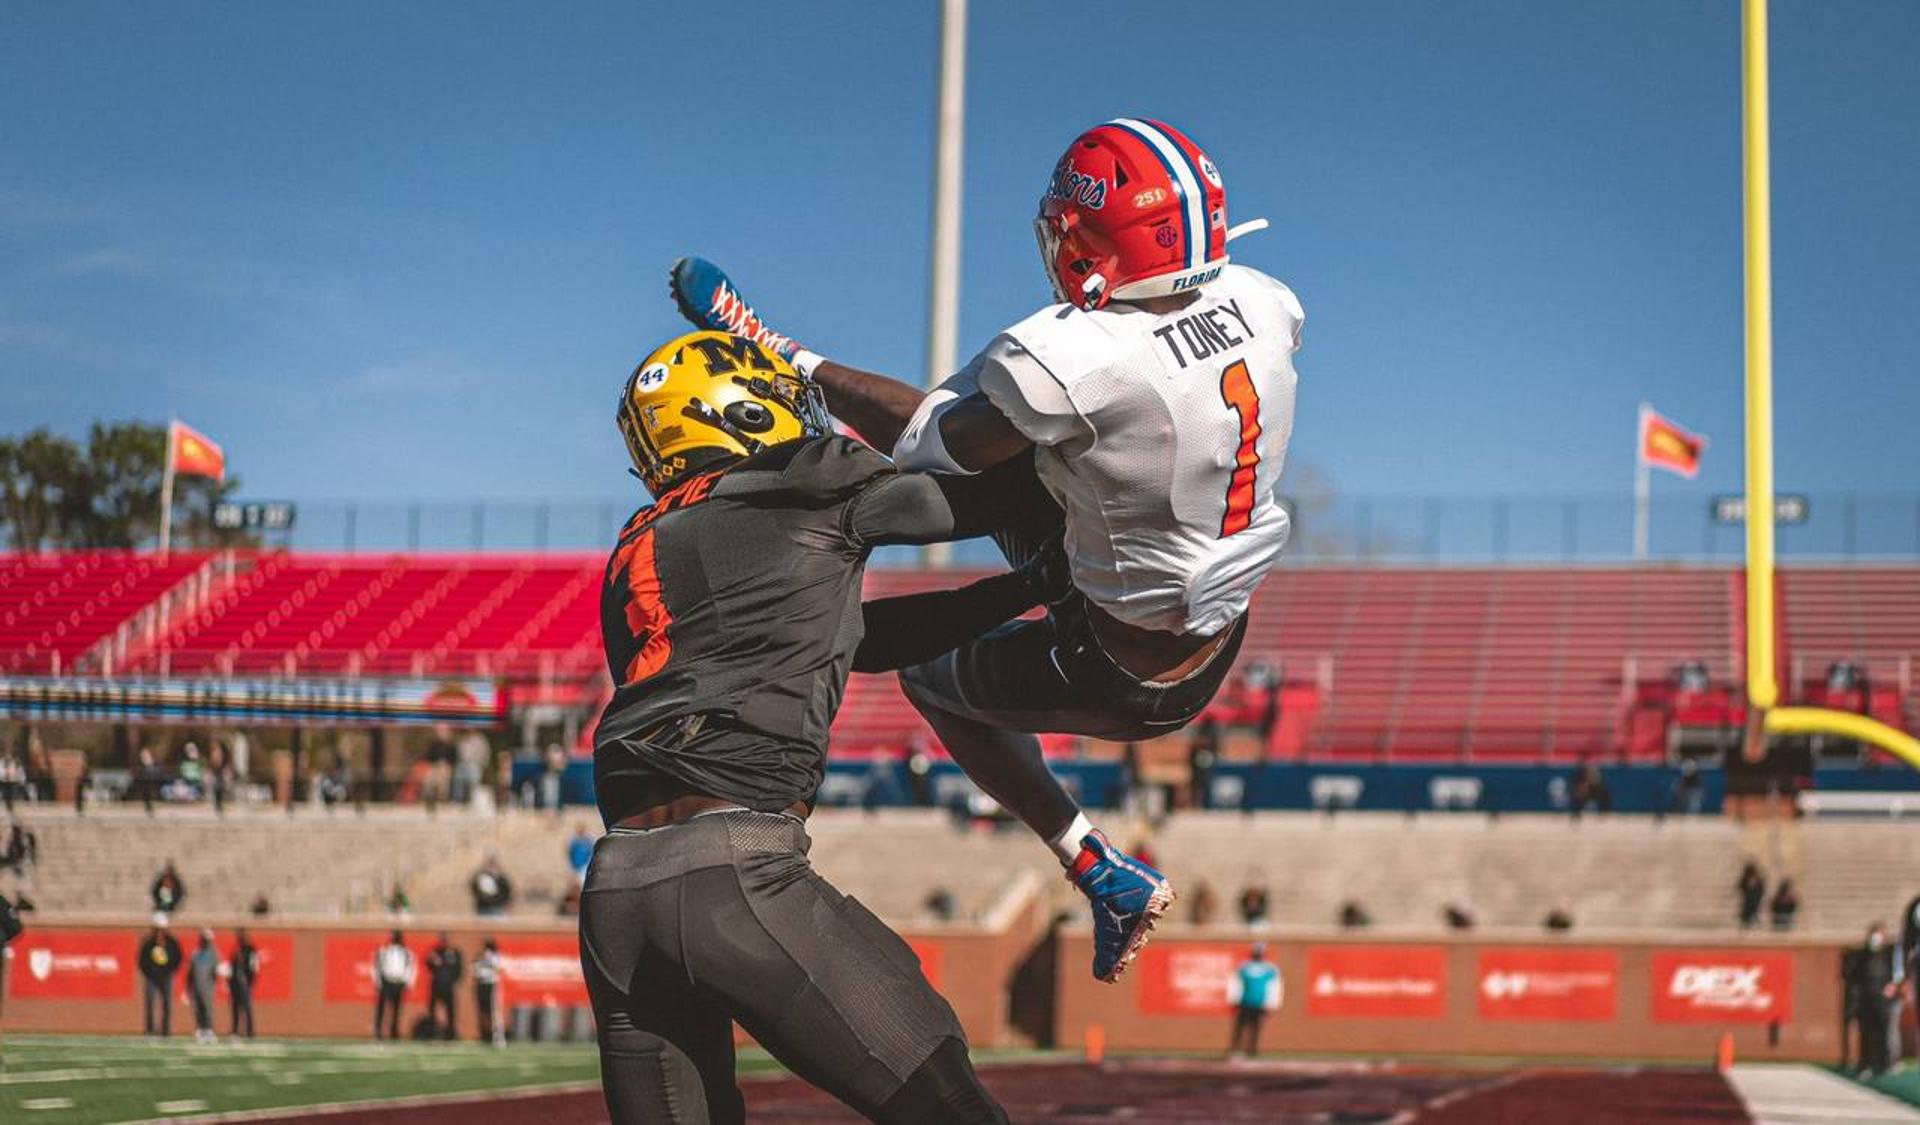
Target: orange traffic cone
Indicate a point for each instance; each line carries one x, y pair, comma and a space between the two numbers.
1096, 1043
1724, 1059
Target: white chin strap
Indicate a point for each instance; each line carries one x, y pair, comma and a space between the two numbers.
1247, 227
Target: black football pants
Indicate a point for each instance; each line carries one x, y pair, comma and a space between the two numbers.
687, 928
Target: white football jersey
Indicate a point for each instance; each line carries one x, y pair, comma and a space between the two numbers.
1163, 437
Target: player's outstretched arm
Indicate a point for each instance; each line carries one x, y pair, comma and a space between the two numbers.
914, 628
876, 406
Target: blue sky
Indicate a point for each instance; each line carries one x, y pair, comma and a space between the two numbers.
411, 250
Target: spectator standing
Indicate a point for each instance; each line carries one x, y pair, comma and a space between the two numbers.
203, 976
1203, 904
1254, 992
1910, 958
1253, 904
22, 849
1753, 891
219, 776
445, 966
243, 969
13, 779
1689, 789
492, 890
438, 782
1872, 992
147, 778
580, 852
168, 890
399, 905
1590, 792
486, 992
470, 766
550, 778
159, 961
394, 971
1785, 905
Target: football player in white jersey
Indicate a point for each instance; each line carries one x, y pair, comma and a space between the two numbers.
1148, 411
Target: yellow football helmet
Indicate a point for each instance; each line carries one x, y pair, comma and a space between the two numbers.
707, 397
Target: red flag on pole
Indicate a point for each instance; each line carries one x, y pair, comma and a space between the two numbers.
192, 454
1666, 445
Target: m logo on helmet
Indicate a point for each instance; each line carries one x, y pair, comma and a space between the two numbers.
726, 355
1078, 187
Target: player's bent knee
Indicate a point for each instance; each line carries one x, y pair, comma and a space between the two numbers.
943, 1090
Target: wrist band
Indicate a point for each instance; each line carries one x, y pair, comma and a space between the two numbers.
805, 361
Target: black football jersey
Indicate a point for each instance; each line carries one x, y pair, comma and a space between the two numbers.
731, 613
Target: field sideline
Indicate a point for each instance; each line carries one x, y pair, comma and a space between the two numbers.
86, 1080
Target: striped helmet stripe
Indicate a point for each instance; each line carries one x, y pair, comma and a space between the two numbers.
1186, 180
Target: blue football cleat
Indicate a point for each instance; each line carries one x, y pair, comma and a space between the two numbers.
708, 298
1128, 898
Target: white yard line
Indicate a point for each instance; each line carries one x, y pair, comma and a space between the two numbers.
47, 1103
1797, 1094
415, 1102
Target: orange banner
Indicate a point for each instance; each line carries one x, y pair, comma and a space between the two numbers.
1727, 986
1395, 981
194, 454
1188, 978
349, 967
74, 964
1664, 444
1549, 984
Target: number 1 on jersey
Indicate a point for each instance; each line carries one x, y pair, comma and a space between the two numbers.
1236, 387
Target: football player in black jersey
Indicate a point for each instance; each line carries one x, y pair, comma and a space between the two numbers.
732, 616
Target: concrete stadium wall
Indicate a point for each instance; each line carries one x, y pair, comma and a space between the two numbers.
315, 978
1580, 996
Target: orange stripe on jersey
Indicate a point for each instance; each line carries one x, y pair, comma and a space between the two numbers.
1236, 388
647, 616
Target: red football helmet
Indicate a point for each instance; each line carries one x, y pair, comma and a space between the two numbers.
1134, 209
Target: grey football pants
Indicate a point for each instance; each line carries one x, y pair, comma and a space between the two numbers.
687, 928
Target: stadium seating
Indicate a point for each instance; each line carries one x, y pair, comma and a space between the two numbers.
495, 615
53, 608
1618, 873
1389, 663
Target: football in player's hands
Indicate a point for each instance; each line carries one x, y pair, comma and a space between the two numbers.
708, 298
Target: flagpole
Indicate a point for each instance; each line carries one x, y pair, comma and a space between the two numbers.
166, 495
1642, 486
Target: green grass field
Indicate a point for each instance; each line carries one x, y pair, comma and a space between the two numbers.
57, 1080
1903, 1084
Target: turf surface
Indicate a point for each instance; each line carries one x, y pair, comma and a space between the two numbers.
70, 1080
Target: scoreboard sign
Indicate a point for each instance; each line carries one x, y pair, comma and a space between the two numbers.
1788, 508
253, 515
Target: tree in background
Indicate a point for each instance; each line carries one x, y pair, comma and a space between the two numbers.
56, 495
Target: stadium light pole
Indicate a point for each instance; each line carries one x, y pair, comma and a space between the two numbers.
943, 299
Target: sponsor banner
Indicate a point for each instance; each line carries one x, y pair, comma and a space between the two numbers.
348, 967
465, 702
1548, 984
1187, 979
1377, 981
1722, 986
74, 965
540, 970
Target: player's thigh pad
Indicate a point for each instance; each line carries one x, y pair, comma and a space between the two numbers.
810, 973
